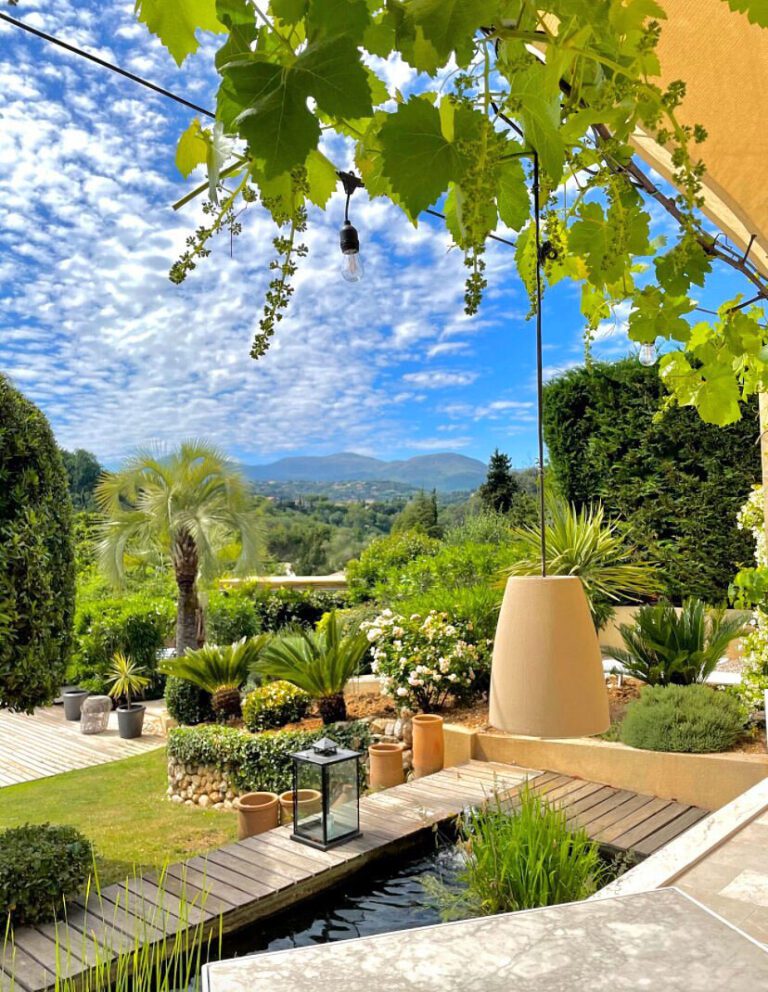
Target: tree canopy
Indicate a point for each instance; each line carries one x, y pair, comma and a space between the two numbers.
509, 96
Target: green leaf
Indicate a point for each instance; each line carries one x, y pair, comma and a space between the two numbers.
685, 264
416, 158
449, 25
192, 149
756, 10
333, 18
331, 72
539, 113
289, 11
322, 178
655, 314
513, 199
176, 24
280, 130
238, 17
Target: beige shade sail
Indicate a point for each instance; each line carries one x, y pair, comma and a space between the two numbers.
723, 60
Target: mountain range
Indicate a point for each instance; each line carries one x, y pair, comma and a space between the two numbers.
446, 472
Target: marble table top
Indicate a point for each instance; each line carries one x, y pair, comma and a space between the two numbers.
659, 940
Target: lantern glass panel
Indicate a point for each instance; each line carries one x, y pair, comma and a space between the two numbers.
343, 817
309, 818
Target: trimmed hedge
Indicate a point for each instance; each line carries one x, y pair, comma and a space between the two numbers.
37, 571
274, 705
677, 481
250, 609
690, 718
40, 866
257, 762
383, 555
187, 703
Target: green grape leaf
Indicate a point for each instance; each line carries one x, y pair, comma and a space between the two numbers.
289, 11
192, 149
513, 199
756, 10
238, 17
379, 36
332, 18
331, 72
448, 25
711, 388
685, 264
416, 158
280, 130
321, 177
655, 314
176, 24
539, 113
525, 258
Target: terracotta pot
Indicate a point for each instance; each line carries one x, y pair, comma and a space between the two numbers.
256, 812
428, 744
310, 801
386, 761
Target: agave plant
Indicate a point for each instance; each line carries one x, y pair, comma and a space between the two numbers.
583, 543
667, 647
320, 662
221, 671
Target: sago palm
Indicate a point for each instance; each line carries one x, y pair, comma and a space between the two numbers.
219, 670
186, 505
583, 543
320, 662
667, 647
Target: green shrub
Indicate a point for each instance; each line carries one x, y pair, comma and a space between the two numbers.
187, 703
37, 571
452, 566
690, 718
279, 608
520, 861
40, 866
678, 482
273, 705
474, 608
257, 762
382, 555
137, 625
664, 647
230, 616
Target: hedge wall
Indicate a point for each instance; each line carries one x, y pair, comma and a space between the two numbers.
678, 481
37, 572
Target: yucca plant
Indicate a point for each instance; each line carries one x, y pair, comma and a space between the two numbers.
220, 670
126, 678
667, 647
320, 662
583, 543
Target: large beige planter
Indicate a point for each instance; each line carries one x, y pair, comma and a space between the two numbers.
547, 673
386, 765
256, 812
309, 801
428, 744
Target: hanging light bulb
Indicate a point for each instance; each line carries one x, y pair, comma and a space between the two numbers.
351, 264
647, 355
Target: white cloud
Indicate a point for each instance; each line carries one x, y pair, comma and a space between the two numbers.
440, 380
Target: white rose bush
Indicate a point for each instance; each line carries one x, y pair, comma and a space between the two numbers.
423, 660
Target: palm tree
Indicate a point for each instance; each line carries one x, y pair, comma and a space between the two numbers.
186, 505
221, 671
320, 662
582, 542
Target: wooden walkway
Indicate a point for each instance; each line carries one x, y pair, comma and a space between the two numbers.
44, 744
254, 878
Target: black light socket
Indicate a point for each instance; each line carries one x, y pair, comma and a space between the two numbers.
348, 239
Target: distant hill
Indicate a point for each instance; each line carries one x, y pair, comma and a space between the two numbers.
446, 472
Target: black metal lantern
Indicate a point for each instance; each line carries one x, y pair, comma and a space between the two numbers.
334, 773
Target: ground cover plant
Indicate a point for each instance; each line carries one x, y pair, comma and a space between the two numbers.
273, 705
688, 718
122, 809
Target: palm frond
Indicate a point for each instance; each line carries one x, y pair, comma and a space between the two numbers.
213, 667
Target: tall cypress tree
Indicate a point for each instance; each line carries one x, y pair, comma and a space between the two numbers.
500, 490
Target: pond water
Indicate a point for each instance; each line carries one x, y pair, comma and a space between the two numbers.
388, 897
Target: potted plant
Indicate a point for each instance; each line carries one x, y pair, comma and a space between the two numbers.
127, 679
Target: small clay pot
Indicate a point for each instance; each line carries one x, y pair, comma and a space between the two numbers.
256, 812
309, 801
428, 744
386, 765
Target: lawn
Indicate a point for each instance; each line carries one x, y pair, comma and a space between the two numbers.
121, 807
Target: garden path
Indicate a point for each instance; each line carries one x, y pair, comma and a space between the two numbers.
45, 744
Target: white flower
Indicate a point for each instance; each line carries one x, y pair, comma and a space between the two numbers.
402, 691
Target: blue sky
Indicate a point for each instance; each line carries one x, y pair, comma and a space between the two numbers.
92, 330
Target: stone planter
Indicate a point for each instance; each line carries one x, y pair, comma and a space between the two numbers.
200, 785
130, 720
73, 700
256, 812
309, 801
386, 765
428, 745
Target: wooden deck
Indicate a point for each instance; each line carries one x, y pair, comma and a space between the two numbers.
251, 879
44, 744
